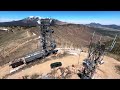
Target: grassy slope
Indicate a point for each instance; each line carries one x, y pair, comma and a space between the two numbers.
115, 53
75, 35
9, 41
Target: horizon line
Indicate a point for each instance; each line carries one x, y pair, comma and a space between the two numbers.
74, 22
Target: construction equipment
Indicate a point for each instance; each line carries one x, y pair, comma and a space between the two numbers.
95, 57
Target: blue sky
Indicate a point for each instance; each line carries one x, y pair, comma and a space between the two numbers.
82, 17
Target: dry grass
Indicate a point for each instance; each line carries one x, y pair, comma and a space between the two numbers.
116, 57
34, 76
25, 77
65, 35
118, 68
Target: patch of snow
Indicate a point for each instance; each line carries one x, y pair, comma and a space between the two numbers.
35, 17
50, 20
38, 22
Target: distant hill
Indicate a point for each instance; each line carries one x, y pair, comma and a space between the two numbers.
35, 20
97, 25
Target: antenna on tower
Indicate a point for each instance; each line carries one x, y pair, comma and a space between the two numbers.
48, 43
96, 53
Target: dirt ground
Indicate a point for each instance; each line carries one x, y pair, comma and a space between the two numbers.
105, 71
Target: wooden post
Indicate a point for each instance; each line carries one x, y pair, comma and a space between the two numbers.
79, 57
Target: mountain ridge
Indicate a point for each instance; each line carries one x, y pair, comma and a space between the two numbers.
98, 25
35, 21
30, 21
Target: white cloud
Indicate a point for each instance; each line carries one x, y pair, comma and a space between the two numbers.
7, 19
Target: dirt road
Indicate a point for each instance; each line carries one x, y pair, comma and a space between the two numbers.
105, 71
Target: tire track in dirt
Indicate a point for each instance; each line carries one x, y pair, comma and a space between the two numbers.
20, 45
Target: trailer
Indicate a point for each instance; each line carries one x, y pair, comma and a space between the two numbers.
48, 46
34, 56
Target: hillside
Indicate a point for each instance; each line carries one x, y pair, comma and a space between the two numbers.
112, 26
21, 37
24, 40
115, 53
78, 35
19, 41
